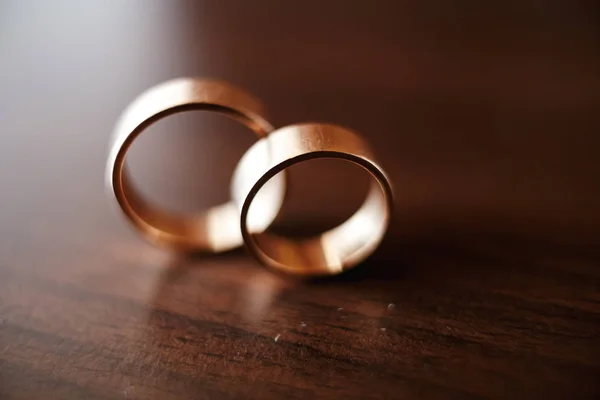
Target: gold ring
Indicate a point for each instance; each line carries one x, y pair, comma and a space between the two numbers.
333, 251
217, 229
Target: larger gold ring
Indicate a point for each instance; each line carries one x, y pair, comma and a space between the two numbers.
217, 229
333, 251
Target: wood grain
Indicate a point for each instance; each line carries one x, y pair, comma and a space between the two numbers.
485, 116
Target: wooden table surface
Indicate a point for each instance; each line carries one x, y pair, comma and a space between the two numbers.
485, 115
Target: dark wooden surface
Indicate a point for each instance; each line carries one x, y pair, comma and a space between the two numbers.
485, 115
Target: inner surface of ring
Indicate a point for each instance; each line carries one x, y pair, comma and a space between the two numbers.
215, 229
332, 251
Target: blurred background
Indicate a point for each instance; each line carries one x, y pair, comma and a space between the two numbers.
484, 114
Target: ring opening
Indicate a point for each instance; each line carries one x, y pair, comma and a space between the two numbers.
215, 229
335, 249
182, 164
321, 194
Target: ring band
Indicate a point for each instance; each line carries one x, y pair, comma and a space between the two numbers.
217, 229
333, 251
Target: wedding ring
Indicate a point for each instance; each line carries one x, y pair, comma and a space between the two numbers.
217, 229
333, 251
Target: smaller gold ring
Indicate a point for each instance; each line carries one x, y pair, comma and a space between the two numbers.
216, 229
331, 252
